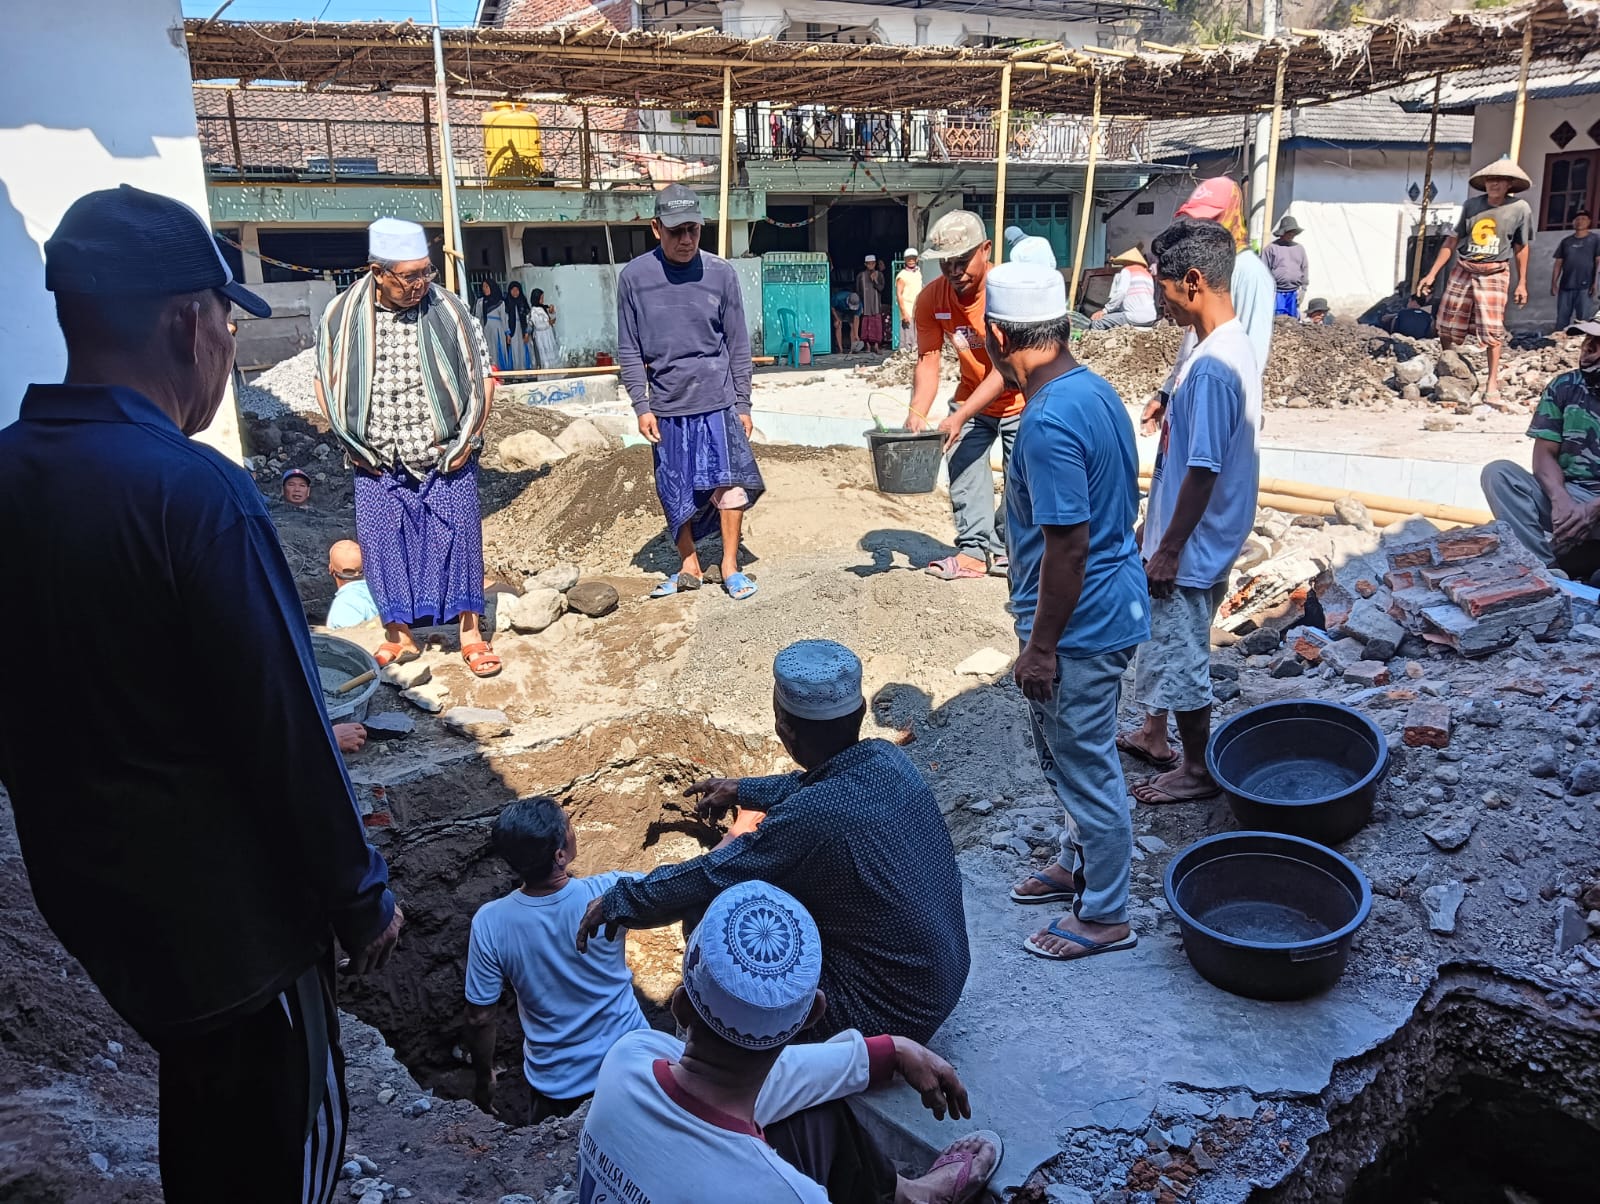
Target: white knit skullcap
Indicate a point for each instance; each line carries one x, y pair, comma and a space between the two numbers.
397, 241
818, 679
1025, 293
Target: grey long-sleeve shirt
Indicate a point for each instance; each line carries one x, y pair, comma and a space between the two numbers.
682, 342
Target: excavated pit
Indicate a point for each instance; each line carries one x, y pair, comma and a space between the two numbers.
1489, 1095
622, 782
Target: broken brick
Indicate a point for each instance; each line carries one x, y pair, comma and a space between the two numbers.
1435, 578
1367, 673
1427, 724
1456, 546
1411, 555
1308, 650
1341, 654
1407, 605
1482, 575
1505, 596
1365, 588
1397, 579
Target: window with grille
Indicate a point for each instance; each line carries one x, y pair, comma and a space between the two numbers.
1569, 185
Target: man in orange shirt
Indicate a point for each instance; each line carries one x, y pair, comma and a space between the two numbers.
983, 409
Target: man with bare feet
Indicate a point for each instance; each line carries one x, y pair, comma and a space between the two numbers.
1078, 597
1202, 506
738, 1111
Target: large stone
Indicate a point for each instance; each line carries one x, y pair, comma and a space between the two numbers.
1411, 371
1369, 621
429, 697
1453, 392
985, 662
478, 723
583, 436
559, 577
1263, 641
528, 449
1453, 365
407, 676
1442, 902
1571, 928
1585, 778
536, 610
1353, 513
593, 598
1451, 832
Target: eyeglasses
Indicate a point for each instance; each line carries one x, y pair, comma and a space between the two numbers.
411, 279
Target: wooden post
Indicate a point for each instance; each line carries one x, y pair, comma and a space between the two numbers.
1520, 111
455, 278
586, 153
1002, 138
724, 226
327, 140
427, 132
1427, 184
1088, 199
233, 134
1273, 135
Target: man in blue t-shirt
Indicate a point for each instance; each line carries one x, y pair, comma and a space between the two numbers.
1078, 597
1202, 506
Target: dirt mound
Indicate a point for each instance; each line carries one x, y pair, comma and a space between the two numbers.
897, 369
1136, 361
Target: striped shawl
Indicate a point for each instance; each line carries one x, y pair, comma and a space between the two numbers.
453, 372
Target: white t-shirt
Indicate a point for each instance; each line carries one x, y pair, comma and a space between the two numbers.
1212, 422
574, 1006
647, 1141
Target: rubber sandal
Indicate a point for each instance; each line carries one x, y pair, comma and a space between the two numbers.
1055, 895
951, 569
1125, 745
477, 656
1000, 566
740, 587
395, 654
1090, 947
678, 583
968, 1185
1167, 797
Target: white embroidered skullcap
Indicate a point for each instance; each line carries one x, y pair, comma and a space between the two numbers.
1034, 249
818, 679
751, 968
1025, 293
396, 241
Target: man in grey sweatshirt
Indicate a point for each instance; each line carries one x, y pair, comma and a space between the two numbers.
684, 350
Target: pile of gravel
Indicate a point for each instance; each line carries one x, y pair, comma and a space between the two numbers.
284, 388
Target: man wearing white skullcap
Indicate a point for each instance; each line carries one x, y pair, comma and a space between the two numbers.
1078, 599
404, 377
734, 1113
841, 836
869, 283
1034, 250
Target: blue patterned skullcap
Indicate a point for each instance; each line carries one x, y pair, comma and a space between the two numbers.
752, 967
818, 679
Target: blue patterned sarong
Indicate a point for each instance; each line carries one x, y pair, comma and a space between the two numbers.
697, 456
421, 543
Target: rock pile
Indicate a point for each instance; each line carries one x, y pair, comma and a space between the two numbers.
285, 388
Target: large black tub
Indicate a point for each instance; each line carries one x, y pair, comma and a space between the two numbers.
1302, 766
1267, 915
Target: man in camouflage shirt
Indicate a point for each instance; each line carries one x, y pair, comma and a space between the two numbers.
1555, 509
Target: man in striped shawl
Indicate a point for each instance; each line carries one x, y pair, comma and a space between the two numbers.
403, 375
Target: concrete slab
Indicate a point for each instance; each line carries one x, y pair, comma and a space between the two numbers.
1046, 1048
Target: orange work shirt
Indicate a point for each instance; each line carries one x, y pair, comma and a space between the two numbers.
941, 313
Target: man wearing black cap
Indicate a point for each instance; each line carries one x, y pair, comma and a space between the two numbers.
200, 890
684, 351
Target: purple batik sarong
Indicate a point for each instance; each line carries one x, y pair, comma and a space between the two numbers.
698, 455
421, 544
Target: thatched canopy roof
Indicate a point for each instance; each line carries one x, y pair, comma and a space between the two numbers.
596, 64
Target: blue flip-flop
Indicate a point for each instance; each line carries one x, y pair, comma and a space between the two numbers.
1056, 894
678, 583
739, 586
1091, 947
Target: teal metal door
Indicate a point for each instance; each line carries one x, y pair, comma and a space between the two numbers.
794, 300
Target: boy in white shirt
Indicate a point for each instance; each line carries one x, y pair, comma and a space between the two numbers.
684, 1121
573, 1008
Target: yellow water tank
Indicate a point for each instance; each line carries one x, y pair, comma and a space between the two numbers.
511, 142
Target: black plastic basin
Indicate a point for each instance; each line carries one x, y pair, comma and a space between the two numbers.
1266, 915
1304, 767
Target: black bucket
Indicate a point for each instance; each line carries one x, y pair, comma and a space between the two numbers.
903, 462
1265, 915
1302, 766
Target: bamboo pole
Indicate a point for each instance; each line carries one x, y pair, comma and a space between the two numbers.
1003, 135
724, 226
1274, 132
454, 278
1519, 111
1427, 183
1088, 199
1376, 503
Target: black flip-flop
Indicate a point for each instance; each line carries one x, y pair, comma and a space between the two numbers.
1124, 745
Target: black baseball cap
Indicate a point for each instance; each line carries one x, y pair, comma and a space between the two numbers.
678, 206
126, 240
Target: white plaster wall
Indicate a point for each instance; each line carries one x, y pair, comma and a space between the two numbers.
1491, 139
585, 297
91, 99
756, 18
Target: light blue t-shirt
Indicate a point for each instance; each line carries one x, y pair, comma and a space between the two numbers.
574, 1006
1075, 462
352, 605
1212, 422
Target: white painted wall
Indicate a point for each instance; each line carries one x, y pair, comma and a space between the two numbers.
942, 27
585, 297
1491, 139
91, 99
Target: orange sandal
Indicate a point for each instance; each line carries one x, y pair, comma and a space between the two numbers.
396, 654
481, 659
